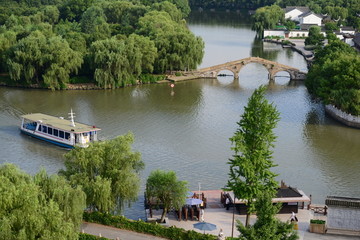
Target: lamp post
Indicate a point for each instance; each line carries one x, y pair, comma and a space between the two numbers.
233, 218
199, 190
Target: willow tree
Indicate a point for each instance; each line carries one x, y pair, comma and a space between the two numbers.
29, 210
267, 17
177, 47
250, 173
108, 172
117, 62
37, 59
166, 190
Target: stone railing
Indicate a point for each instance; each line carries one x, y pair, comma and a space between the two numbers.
346, 118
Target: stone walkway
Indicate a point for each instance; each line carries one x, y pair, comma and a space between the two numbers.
114, 233
223, 220
218, 216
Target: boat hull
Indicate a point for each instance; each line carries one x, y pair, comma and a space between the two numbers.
61, 144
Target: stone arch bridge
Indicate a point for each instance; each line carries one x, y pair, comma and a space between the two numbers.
235, 67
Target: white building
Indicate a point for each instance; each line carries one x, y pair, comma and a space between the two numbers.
293, 13
310, 18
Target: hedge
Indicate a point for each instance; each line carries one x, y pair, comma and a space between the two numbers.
85, 236
144, 227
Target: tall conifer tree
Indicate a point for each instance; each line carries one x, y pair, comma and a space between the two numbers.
250, 166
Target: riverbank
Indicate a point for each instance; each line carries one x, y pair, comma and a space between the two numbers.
343, 117
297, 45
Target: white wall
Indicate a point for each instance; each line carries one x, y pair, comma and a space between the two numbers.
343, 218
295, 33
311, 19
293, 14
279, 33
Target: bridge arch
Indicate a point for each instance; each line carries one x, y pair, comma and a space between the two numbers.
236, 66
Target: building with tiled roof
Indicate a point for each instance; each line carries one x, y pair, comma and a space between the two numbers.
310, 18
293, 12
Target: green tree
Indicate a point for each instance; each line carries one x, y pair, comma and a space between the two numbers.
331, 26
93, 22
108, 172
250, 173
73, 9
336, 81
123, 15
177, 47
170, 8
267, 18
71, 201
315, 38
51, 14
166, 190
7, 40
110, 63
289, 24
141, 52
40, 60
267, 226
27, 212
182, 5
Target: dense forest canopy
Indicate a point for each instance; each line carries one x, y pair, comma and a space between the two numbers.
347, 11
111, 42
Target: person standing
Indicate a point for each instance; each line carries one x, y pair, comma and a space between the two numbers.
221, 235
227, 203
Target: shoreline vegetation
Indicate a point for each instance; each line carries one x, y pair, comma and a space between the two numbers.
114, 44
4, 81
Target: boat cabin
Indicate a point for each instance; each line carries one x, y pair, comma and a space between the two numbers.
59, 131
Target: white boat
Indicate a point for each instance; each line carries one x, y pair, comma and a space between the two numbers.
59, 131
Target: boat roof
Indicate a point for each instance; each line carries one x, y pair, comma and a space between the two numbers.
59, 123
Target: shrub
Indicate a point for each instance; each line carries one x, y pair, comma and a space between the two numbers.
85, 236
150, 78
317, 221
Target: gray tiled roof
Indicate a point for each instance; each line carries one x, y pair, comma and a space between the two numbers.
300, 8
288, 192
309, 13
356, 40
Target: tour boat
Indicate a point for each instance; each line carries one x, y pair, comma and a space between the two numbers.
59, 131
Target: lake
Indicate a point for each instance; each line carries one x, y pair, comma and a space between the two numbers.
187, 128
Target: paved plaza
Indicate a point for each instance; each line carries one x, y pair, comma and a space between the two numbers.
223, 219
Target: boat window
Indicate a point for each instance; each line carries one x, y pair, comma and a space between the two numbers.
56, 132
50, 130
61, 134
67, 135
44, 129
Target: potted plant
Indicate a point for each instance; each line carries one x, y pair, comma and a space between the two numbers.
317, 226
